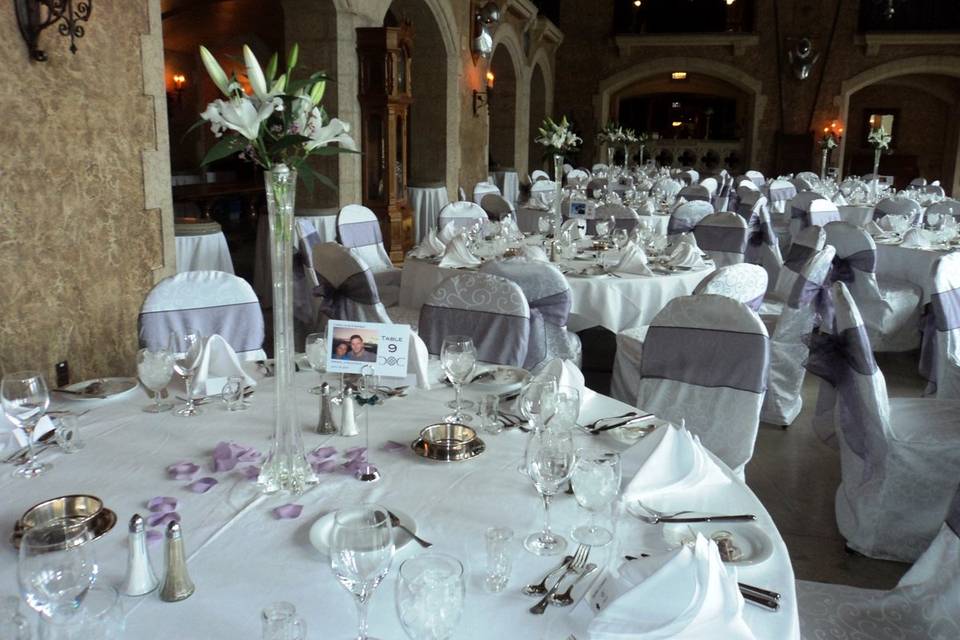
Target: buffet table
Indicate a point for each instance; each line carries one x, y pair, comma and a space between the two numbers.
242, 558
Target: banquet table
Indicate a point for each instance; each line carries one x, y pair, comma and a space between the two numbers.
910, 264
242, 558
203, 252
528, 219
324, 220
426, 200
509, 183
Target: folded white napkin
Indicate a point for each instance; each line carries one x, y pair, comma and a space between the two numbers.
687, 594
633, 260
540, 201
874, 229
449, 231
894, 222
949, 222
430, 247
674, 464
690, 239
218, 361
19, 436
915, 238
686, 255
646, 208
458, 255
419, 360
566, 373
533, 252
572, 225
839, 200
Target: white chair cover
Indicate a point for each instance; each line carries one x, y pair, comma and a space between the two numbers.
483, 188
933, 190
346, 288
745, 183
462, 213
711, 185
900, 205
725, 193
496, 206
689, 176
763, 248
779, 192
625, 217
707, 356
899, 460
756, 178
695, 192
805, 244
724, 237
490, 309
668, 187
578, 178
949, 207
358, 229
544, 192
548, 294
744, 283
567, 168
599, 168
210, 302
305, 281
687, 215
539, 174
806, 181
918, 182
892, 310
940, 353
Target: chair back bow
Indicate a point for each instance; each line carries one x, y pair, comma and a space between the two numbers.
843, 268
358, 288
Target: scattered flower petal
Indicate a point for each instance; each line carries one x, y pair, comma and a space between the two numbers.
154, 536
182, 470
251, 472
355, 452
162, 504
202, 485
161, 519
324, 466
393, 445
287, 511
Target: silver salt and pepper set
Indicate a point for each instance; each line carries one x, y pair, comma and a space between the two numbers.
141, 579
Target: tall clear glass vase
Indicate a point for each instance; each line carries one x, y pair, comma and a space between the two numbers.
823, 163
610, 154
286, 467
626, 158
875, 184
558, 193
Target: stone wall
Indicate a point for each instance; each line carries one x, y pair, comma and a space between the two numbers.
85, 213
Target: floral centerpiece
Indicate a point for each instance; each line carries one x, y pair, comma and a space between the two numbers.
278, 126
827, 144
558, 138
643, 138
880, 141
612, 134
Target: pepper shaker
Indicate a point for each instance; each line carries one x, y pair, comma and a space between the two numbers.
326, 425
177, 584
348, 418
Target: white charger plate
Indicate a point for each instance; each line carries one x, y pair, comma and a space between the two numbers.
112, 388
754, 543
320, 531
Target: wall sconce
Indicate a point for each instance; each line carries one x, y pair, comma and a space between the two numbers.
481, 98
33, 16
485, 20
678, 75
179, 80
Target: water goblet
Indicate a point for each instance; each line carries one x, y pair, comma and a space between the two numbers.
155, 368
185, 365
56, 568
316, 351
566, 408
550, 461
538, 400
100, 618
25, 398
596, 483
430, 595
458, 357
602, 228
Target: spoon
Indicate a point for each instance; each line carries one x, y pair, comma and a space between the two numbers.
565, 599
395, 521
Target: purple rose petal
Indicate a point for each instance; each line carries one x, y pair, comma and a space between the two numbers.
247, 454
154, 536
355, 452
202, 485
355, 465
287, 511
393, 445
161, 519
162, 504
223, 457
182, 470
321, 453
251, 472
324, 466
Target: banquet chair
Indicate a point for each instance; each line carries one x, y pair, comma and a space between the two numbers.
599, 168
549, 297
918, 182
484, 187
668, 187
544, 190
723, 236
807, 180
924, 604
496, 206
305, 280
461, 213
756, 177
209, 302
933, 190
685, 216
805, 244
578, 178
567, 168
900, 205
805, 303
744, 283
763, 248
940, 350
694, 192
490, 309
706, 356
777, 197
539, 174
711, 185
746, 183
899, 459
891, 307
689, 177
624, 216
358, 229
725, 193
949, 207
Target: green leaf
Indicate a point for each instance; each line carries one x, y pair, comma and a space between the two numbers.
331, 150
288, 141
271, 69
224, 148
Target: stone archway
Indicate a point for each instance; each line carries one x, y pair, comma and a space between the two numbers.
503, 108
538, 111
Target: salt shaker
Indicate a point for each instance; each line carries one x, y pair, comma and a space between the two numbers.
140, 579
348, 418
326, 425
177, 584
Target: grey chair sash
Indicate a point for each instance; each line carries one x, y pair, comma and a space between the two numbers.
953, 514
806, 292
241, 325
797, 256
726, 239
499, 338
360, 234
555, 308
678, 225
946, 309
928, 347
707, 357
359, 288
843, 268
760, 231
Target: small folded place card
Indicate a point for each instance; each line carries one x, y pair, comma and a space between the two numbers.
355, 346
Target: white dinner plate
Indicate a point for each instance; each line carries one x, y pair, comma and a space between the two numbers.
320, 532
109, 389
755, 545
500, 379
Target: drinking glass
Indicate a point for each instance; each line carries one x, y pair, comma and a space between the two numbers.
602, 228
620, 238
155, 368
361, 550
430, 594
499, 561
458, 356
67, 433
280, 622
538, 401
567, 408
25, 398
488, 414
185, 365
13, 625
316, 348
596, 483
544, 224
56, 568
550, 461
232, 394
100, 618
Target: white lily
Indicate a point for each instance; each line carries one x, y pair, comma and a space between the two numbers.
335, 131
215, 71
238, 114
258, 82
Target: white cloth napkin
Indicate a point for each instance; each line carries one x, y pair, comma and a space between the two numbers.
633, 260
915, 238
690, 239
674, 463
646, 208
894, 222
458, 255
686, 255
687, 594
533, 252
218, 361
448, 233
573, 227
19, 436
430, 247
566, 373
539, 201
874, 229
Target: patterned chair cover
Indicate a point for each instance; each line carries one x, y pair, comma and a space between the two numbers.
891, 309
900, 205
707, 356
806, 180
496, 206
461, 213
687, 215
667, 186
211, 302
724, 237
548, 294
491, 310
695, 192
940, 352
358, 229
744, 283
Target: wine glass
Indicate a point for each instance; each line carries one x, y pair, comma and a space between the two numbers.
544, 223
430, 594
566, 408
316, 349
620, 238
186, 365
602, 228
458, 357
550, 461
25, 398
596, 483
361, 550
155, 368
57, 568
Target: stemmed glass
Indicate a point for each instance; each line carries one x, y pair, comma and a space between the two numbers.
596, 483
316, 349
538, 401
550, 461
186, 365
567, 408
57, 568
458, 357
25, 398
155, 368
544, 224
361, 550
430, 594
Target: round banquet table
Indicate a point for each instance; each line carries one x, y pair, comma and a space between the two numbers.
528, 219
426, 202
203, 252
242, 558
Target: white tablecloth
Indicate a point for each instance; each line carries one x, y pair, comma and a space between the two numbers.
326, 225
509, 183
528, 219
913, 265
426, 203
242, 558
203, 253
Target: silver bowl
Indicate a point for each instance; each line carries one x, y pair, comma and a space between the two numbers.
448, 442
71, 510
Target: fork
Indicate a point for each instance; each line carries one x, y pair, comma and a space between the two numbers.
576, 566
657, 517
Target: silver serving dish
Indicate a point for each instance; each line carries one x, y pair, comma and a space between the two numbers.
448, 443
73, 510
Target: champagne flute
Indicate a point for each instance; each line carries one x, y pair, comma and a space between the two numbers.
550, 461
458, 356
596, 483
155, 368
25, 398
430, 594
361, 550
316, 349
186, 365
56, 568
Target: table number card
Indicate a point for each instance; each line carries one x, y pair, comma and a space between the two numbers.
355, 345
582, 208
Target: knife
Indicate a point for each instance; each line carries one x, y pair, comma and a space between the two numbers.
739, 518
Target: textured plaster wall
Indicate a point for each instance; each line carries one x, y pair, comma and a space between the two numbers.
85, 213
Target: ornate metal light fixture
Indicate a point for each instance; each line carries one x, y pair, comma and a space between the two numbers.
482, 99
485, 20
33, 16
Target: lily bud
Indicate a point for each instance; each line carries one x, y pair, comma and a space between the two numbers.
214, 70
254, 73
271, 70
292, 56
316, 94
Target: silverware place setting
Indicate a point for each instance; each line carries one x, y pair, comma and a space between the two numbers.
576, 566
653, 516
